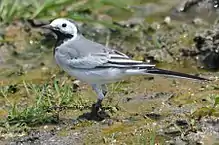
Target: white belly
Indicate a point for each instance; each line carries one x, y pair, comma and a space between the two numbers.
97, 76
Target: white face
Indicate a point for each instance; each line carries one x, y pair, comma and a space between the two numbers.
65, 26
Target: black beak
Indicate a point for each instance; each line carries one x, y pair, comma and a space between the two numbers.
47, 27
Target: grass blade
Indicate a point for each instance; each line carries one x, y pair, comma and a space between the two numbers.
13, 9
41, 8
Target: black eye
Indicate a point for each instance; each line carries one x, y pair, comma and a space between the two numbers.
64, 25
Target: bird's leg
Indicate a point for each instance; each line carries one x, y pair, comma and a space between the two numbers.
104, 89
98, 89
101, 91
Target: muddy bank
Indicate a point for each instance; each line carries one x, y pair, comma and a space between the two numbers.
140, 109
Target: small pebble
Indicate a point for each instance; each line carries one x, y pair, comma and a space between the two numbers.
110, 122
167, 20
44, 69
45, 127
114, 109
198, 21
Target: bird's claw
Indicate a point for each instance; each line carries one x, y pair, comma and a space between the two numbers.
98, 112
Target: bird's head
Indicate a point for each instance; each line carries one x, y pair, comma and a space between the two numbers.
63, 27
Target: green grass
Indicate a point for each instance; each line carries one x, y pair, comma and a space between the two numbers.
48, 100
44, 102
11, 10
210, 110
146, 138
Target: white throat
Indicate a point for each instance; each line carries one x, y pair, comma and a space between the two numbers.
75, 32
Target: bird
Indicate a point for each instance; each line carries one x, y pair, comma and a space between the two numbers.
96, 64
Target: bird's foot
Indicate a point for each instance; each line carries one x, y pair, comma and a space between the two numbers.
95, 109
98, 113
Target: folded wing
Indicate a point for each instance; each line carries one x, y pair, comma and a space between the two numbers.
107, 60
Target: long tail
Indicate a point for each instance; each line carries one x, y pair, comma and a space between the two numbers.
157, 71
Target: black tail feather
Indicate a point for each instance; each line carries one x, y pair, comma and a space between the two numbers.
174, 74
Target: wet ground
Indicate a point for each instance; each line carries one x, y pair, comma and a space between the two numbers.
143, 110
174, 112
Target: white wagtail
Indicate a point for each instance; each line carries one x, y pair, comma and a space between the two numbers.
96, 64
